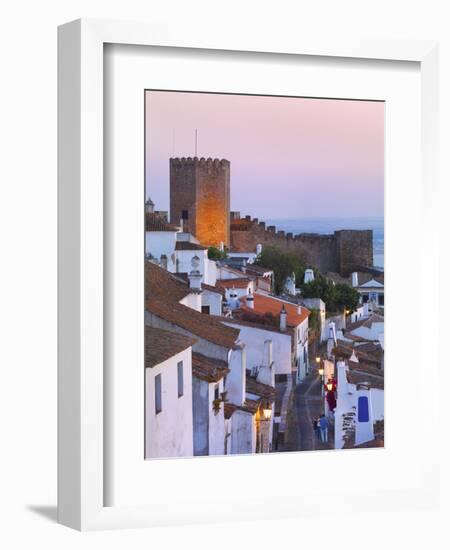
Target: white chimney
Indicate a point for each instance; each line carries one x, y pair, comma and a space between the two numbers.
258, 249
250, 300
163, 261
283, 319
299, 308
182, 225
266, 374
309, 276
221, 247
354, 279
195, 281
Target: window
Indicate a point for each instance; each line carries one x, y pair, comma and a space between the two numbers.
205, 309
184, 215
158, 394
381, 299
216, 391
180, 378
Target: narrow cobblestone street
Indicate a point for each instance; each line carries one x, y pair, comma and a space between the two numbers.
307, 404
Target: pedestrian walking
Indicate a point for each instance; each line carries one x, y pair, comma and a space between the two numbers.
316, 427
323, 423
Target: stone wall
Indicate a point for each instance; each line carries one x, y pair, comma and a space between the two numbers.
342, 252
202, 188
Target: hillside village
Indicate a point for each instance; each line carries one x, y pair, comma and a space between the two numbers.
237, 362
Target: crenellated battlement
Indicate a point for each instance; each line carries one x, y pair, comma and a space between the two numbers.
340, 251
210, 164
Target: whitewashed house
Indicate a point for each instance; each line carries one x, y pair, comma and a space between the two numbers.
370, 287
371, 328
293, 318
186, 251
168, 394
207, 403
359, 403
160, 241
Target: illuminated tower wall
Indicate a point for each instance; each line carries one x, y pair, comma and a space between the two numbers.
200, 196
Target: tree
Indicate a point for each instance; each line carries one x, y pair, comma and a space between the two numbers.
346, 297
216, 254
282, 263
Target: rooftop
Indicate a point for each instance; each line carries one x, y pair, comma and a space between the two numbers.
163, 285
258, 388
210, 370
154, 222
241, 282
374, 318
269, 304
250, 406
199, 324
186, 245
161, 345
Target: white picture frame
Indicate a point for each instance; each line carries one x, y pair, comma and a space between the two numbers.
81, 481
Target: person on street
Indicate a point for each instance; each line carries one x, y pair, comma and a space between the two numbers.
323, 423
316, 427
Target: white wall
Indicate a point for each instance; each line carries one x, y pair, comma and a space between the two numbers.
254, 339
370, 333
235, 384
193, 300
207, 267
158, 243
216, 423
243, 433
213, 300
170, 432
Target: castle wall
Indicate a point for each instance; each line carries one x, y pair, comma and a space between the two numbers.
355, 249
202, 187
340, 252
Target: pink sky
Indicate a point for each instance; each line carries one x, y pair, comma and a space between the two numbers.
290, 157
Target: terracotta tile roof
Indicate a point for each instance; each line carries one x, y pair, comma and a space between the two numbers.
345, 351
163, 285
250, 406
360, 377
253, 269
211, 288
153, 222
241, 282
268, 304
160, 345
374, 318
185, 245
258, 388
196, 323
210, 370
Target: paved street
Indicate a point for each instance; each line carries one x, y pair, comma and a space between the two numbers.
307, 404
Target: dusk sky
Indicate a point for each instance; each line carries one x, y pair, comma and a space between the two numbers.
290, 157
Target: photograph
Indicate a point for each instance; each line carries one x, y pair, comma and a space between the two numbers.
264, 274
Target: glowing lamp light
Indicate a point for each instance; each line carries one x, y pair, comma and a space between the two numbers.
320, 371
317, 360
267, 412
329, 386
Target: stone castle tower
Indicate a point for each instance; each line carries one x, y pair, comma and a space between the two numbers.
200, 197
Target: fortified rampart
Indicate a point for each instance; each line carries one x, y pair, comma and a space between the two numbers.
200, 196
343, 251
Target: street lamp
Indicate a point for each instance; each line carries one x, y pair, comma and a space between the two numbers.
329, 385
320, 371
317, 360
267, 411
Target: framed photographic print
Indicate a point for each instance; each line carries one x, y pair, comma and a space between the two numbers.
231, 213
